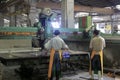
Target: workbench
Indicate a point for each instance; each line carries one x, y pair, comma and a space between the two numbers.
78, 59
17, 56
5, 58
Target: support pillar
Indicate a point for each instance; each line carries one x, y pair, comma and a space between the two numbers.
67, 13
13, 17
1, 20
112, 23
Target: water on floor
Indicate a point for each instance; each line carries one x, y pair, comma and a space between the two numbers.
9, 74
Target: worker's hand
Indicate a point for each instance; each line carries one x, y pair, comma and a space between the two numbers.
92, 55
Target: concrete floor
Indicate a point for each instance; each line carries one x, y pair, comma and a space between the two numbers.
85, 76
9, 74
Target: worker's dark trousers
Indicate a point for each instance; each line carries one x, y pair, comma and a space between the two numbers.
56, 69
41, 43
96, 63
57, 75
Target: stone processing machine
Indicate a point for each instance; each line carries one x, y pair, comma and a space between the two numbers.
16, 37
16, 49
21, 37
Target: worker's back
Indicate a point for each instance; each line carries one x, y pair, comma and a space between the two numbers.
57, 43
97, 43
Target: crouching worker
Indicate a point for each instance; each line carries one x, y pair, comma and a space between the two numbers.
97, 45
55, 45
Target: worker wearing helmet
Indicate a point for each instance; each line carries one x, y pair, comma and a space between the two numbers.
55, 45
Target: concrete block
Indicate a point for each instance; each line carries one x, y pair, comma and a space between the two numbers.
15, 43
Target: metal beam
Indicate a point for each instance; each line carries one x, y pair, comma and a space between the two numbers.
107, 21
48, 4
77, 8
93, 9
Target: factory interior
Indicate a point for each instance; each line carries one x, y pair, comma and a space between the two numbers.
26, 25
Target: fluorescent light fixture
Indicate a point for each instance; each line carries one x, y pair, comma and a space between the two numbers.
81, 14
97, 18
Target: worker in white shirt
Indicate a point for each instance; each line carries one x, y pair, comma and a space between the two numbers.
97, 45
55, 45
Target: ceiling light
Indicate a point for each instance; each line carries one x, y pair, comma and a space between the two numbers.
81, 14
97, 19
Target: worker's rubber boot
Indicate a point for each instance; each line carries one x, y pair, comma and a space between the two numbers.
99, 75
92, 75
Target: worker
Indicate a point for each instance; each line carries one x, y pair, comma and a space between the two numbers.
97, 45
55, 45
40, 33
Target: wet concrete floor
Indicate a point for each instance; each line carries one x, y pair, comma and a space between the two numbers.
9, 74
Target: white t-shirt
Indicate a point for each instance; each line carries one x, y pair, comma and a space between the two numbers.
56, 42
97, 43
